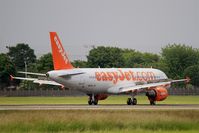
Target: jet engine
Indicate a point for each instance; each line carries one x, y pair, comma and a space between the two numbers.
157, 94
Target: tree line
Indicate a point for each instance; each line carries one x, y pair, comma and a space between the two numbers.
176, 60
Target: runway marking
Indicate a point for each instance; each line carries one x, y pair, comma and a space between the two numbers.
101, 107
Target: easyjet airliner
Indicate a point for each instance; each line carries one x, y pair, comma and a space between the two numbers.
99, 83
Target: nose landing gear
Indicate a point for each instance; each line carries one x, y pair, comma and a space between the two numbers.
152, 102
131, 101
92, 100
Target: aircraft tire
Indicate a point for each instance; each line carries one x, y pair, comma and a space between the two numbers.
152, 102
129, 101
134, 102
95, 102
89, 102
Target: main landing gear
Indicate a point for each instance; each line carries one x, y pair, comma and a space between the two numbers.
92, 100
132, 100
152, 103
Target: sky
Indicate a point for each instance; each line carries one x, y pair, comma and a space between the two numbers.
143, 25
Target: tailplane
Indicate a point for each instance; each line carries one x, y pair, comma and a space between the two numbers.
60, 58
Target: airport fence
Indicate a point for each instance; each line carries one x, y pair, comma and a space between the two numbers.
184, 91
172, 91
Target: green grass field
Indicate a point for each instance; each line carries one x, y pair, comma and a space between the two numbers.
83, 100
99, 121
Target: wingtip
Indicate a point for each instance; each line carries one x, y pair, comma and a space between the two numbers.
187, 79
11, 77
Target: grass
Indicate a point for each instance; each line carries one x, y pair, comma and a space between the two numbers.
83, 100
99, 121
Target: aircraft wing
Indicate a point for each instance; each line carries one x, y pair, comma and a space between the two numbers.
181, 80
38, 81
137, 87
149, 85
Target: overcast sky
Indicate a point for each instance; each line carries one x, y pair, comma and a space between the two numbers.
144, 25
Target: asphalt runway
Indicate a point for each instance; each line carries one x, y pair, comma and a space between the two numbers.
101, 107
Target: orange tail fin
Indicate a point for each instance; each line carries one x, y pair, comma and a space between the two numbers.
60, 59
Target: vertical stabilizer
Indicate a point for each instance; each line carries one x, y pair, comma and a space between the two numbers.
60, 58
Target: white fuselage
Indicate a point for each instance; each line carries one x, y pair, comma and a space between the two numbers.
99, 80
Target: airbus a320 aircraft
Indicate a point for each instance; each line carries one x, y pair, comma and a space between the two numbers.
99, 83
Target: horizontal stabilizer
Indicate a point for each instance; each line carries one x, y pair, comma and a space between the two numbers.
38, 81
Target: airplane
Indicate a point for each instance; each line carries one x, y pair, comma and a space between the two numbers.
99, 83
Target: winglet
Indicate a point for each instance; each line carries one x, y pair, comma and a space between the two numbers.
11, 77
60, 58
187, 79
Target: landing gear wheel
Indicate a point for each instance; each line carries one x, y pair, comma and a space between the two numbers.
131, 102
92, 101
152, 102
89, 102
134, 101
95, 102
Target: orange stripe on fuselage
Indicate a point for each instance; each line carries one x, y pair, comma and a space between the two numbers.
121, 75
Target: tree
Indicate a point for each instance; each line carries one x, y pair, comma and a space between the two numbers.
80, 64
44, 63
161, 65
150, 58
21, 54
134, 58
105, 57
193, 73
6, 68
178, 57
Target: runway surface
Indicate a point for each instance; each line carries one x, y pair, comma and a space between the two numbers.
101, 107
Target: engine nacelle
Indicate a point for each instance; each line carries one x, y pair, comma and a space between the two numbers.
157, 94
101, 96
